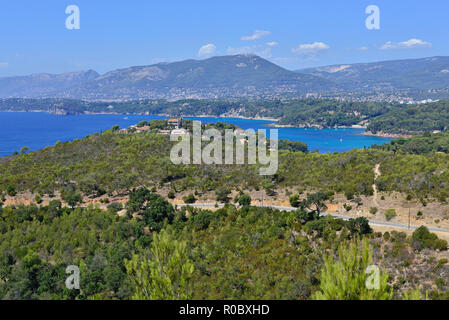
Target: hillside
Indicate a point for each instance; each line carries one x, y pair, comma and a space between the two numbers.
44, 84
233, 252
239, 76
225, 76
411, 74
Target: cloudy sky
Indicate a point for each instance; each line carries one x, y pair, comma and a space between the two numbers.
294, 34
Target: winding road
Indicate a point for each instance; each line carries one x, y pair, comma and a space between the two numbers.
371, 222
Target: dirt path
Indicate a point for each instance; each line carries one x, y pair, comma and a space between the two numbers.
376, 175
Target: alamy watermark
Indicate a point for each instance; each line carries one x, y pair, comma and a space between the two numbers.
73, 20
373, 277
260, 150
372, 22
73, 280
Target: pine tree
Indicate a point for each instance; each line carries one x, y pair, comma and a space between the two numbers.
415, 295
350, 278
166, 274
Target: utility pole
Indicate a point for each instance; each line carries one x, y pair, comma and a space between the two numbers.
409, 218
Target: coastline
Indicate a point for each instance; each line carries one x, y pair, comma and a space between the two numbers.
222, 116
274, 124
387, 135
62, 113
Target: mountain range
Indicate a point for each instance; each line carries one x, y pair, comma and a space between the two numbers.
411, 74
244, 76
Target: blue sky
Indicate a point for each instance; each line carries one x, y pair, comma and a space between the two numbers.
294, 34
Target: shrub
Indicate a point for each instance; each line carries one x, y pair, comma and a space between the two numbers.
294, 201
11, 191
38, 198
440, 283
244, 200
423, 238
373, 210
171, 194
360, 226
222, 195
189, 199
349, 195
115, 206
390, 214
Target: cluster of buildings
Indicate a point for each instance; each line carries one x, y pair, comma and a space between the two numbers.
174, 127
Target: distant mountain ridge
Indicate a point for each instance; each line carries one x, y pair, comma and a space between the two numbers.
238, 76
44, 84
410, 74
217, 77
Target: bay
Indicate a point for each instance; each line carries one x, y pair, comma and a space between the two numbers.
38, 130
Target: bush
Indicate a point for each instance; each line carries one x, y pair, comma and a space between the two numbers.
222, 195
390, 214
72, 198
115, 206
11, 191
189, 199
38, 198
294, 201
423, 238
373, 210
360, 226
171, 194
349, 195
245, 200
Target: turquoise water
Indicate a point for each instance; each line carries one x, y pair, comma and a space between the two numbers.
38, 130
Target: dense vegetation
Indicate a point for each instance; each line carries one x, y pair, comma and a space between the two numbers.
114, 163
157, 251
136, 251
422, 144
324, 113
413, 119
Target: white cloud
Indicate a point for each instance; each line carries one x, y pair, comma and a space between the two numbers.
409, 44
256, 35
362, 48
207, 50
258, 50
310, 48
4, 64
272, 44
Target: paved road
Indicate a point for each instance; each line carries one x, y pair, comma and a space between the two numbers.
371, 222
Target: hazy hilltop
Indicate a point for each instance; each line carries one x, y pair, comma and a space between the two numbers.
225, 76
44, 84
411, 74
239, 76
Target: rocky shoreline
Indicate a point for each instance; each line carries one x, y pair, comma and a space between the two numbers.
387, 135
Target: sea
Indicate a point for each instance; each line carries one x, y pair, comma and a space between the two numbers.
37, 130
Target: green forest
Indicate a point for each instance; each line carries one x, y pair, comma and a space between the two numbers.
157, 251
379, 117
114, 163
235, 252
